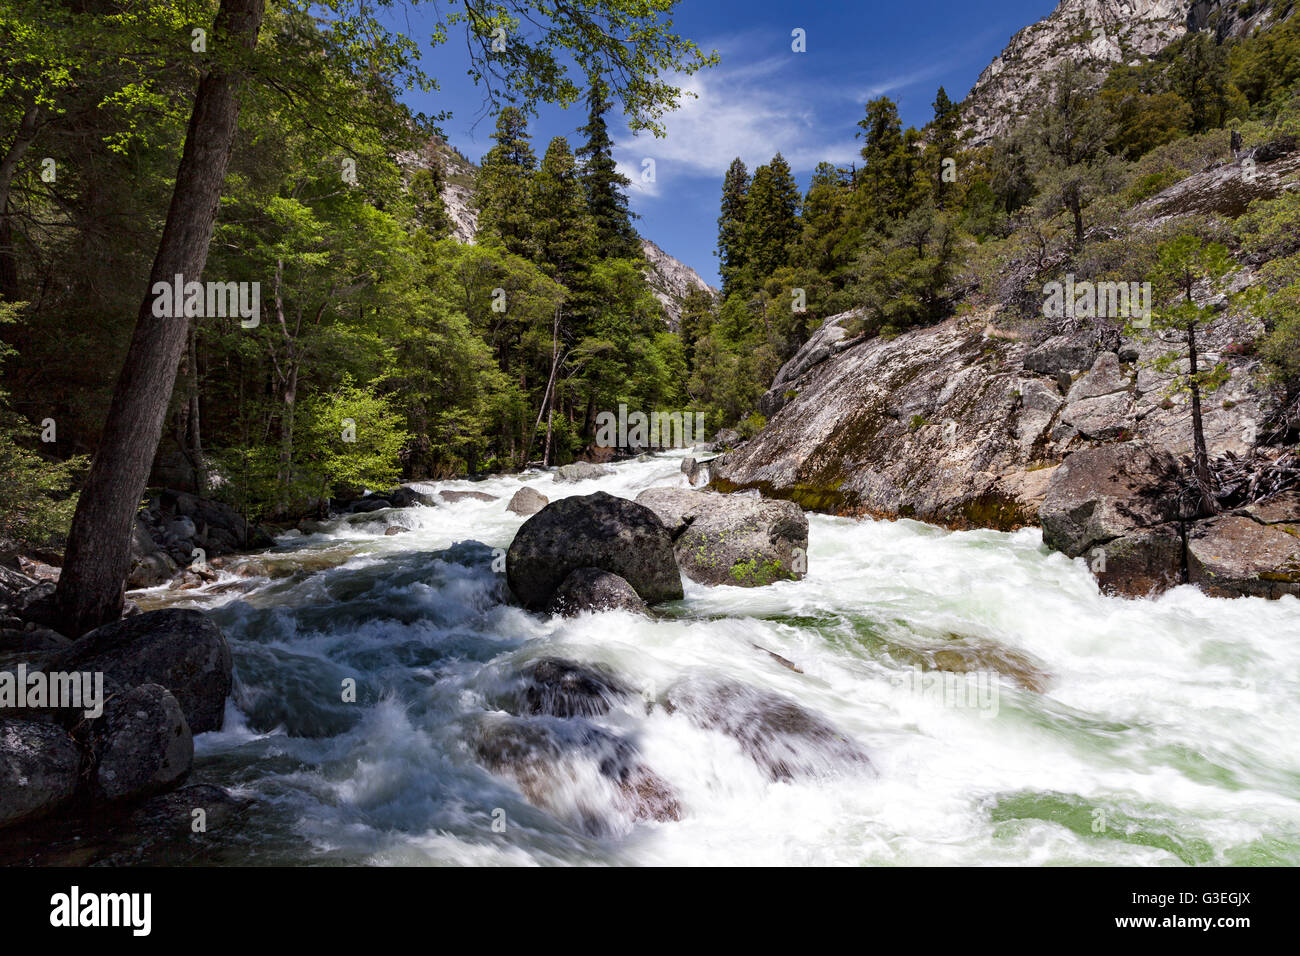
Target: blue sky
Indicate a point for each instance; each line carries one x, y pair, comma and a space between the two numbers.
762, 97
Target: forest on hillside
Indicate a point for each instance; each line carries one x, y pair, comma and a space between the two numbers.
435, 358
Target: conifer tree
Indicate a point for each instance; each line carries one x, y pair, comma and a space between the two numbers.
771, 225
604, 184
504, 186
731, 224
561, 227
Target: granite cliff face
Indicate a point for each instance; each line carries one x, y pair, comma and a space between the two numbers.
670, 279
981, 423
1098, 34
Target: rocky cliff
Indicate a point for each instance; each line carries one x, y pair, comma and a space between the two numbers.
669, 278
975, 423
1099, 34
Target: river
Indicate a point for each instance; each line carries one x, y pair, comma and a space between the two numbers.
1150, 732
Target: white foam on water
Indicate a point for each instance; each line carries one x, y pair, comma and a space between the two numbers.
1167, 732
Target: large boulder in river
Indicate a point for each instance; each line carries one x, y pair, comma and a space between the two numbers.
527, 501
732, 539
180, 650
591, 589
1113, 503
39, 766
1104, 493
592, 531
1234, 555
142, 744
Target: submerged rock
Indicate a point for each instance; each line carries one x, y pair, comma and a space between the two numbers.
592, 531
589, 776
729, 539
784, 739
558, 688
591, 589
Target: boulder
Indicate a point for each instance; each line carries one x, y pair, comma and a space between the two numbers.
39, 767
727, 438
1063, 353
592, 531
527, 501
591, 589
142, 744
451, 497
1103, 493
404, 497
732, 539
1100, 404
367, 505
1232, 556
180, 650
1141, 563
581, 471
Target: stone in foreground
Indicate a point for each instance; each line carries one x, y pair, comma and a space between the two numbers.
592, 531
732, 539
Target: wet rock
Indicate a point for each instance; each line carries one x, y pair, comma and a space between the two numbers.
404, 497
576, 770
1233, 556
142, 744
180, 650
1142, 563
451, 497
39, 766
732, 539
581, 471
527, 501
393, 529
591, 589
694, 470
592, 531
559, 688
779, 735
1103, 493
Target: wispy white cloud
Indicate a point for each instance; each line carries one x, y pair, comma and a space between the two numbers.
753, 110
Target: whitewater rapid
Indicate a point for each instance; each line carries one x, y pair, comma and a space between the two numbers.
1150, 732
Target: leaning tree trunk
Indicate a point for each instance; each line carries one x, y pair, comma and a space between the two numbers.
98, 553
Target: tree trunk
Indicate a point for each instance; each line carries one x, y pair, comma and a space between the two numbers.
98, 553
1201, 457
23, 140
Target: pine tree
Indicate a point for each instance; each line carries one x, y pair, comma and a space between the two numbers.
943, 142
883, 180
771, 225
604, 184
503, 189
731, 224
562, 228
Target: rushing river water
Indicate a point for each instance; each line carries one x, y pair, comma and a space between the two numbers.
1087, 729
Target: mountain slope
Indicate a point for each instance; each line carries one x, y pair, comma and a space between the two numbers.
1098, 33
670, 279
